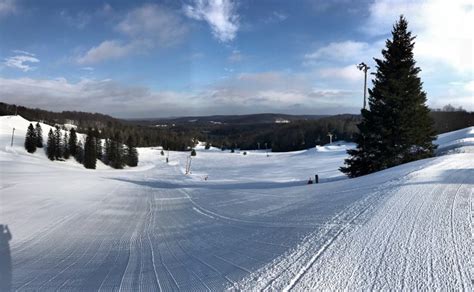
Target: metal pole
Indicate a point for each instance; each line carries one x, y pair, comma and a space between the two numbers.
365, 86
13, 134
363, 67
189, 166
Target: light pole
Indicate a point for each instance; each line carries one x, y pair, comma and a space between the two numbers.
363, 67
13, 135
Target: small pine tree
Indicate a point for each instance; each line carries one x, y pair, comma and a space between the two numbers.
30, 139
58, 147
98, 144
208, 146
79, 152
72, 143
116, 153
106, 155
50, 145
131, 154
193, 152
90, 158
39, 136
66, 152
397, 128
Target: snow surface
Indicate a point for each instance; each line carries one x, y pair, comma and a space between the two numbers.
253, 224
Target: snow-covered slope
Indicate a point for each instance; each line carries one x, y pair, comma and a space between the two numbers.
457, 141
253, 224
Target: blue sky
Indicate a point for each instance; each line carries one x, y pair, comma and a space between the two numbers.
202, 57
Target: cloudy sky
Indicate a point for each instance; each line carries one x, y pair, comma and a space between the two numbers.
201, 57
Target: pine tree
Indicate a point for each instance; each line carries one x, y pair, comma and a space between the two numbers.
58, 147
72, 143
98, 144
39, 136
90, 153
131, 154
116, 159
30, 139
106, 155
66, 152
79, 152
50, 145
397, 128
193, 152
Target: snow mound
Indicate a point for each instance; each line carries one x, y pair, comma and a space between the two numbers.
460, 141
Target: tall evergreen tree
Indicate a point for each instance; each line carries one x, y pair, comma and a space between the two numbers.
90, 154
131, 154
397, 128
66, 152
50, 145
30, 139
39, 135
72, 143
58, 147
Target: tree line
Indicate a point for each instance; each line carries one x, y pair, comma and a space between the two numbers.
113, 152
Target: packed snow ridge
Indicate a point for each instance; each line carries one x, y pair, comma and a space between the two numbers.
247, 222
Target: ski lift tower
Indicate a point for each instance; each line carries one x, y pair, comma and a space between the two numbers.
363, 67
330, 137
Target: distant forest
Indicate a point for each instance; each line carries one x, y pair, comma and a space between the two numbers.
250, 132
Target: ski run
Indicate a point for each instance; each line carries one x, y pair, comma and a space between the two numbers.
243, 222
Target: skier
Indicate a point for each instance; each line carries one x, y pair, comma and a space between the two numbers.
310, 181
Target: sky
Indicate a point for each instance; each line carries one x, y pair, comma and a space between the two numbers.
144, 59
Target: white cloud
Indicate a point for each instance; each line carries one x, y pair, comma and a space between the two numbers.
78, 20
7, 7
21, 62
469, 86
221, 16
236, 56
347, 73
147, 27
244, 93
107, 50
345, 51
21, 52
444, 29
89, 69
161, 26
275, 17
104, 96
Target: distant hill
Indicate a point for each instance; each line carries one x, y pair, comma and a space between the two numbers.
281, 132
80, 119
264, 118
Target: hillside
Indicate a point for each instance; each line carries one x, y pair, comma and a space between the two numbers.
242, 221
280, 132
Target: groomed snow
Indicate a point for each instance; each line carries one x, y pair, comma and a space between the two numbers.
254, 223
